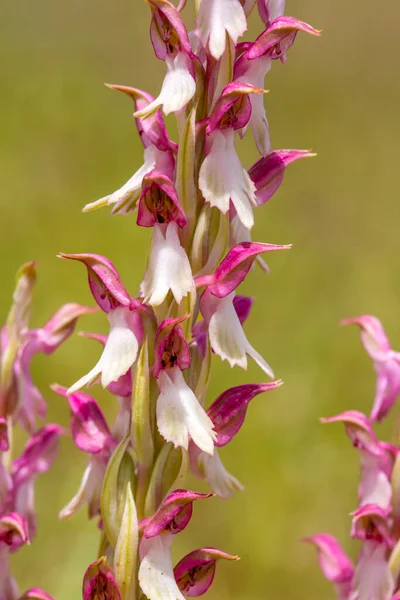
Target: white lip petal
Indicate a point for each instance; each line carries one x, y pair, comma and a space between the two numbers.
228, 339
215, 19
177, 90
156, 575
168, 268
126, 197
221, 482
118, 355
180, 415
222, 178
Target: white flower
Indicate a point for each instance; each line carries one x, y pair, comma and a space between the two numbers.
227, 337
177, 90
255, 75
124, 199
119, 352
180, 415
221, 482
215, 19
223, 179
168, 268
156, 575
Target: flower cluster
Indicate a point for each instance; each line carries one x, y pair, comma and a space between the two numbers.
22, 403
376, 521
198, 201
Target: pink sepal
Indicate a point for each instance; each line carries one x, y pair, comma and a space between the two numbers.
99, 582
333, 561
372, 522
358, 428
174, 513
4, 443
88, 425
170, 346
228, 411
268, 172
242, 306
36, 594
152, 130
104, 281
61, 325
159, 201
38, 455
234, 267
195, 573
233, 107
167, 31
276, 40
14, 530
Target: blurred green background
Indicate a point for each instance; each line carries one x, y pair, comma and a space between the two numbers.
66, 140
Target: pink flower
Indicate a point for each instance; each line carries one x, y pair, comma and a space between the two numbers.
386, 363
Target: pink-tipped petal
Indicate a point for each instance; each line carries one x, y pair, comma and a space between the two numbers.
234, 267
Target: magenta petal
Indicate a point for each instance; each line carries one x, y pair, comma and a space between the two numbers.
99, 582
371, 522
104, 281
168, 31
38, 455
36, 594
233, 107
278, 37
373, 335
88, 425
61, 325
170, 346
152, 130
228, 411
334, 562
4, 445
195, 572
159, 201
242, 306
174, 513
268, 172
234, 267
358, 428
13, 530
